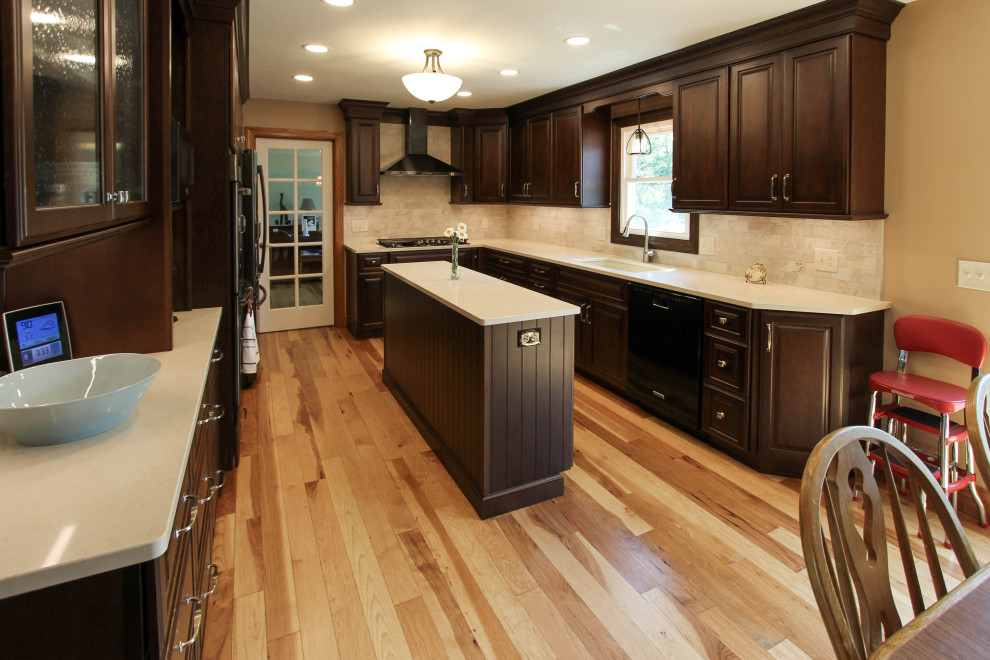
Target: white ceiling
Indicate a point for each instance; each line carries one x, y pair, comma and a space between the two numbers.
373, 43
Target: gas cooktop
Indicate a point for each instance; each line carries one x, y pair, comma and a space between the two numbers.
420, 241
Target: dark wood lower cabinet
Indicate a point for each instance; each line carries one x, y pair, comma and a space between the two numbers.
813, 378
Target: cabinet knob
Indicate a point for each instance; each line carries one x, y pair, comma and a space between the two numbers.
721, 364
719, 415
722, 320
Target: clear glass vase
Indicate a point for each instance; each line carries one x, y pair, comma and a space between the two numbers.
454, 274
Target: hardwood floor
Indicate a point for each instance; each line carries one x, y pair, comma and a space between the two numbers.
341, 536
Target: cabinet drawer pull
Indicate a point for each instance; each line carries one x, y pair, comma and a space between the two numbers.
719, 415
221, 478
465, 190
773, 187
211, 489
214, 578
659, 395
769, 337
539, 271
378, 189
214, 414
576, 188
721, 364
672, 182
501, 190
537, 285
722, 320
784, 185
193, 515
197, 604
217, 356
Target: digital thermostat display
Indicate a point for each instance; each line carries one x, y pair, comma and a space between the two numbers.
36, 335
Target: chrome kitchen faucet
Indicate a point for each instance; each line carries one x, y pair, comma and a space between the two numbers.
647, 252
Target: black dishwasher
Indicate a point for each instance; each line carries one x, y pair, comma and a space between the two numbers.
664, 363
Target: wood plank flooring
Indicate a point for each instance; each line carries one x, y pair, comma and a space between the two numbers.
341, 536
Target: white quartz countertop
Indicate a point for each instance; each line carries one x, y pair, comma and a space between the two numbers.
714, 286
74, 510
483, 299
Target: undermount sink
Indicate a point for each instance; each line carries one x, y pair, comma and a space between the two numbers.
625, 266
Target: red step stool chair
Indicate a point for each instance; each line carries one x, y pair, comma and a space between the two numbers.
961, 342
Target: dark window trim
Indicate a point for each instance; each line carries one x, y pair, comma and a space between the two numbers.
689, 245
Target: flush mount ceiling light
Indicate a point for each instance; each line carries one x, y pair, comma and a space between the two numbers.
577, 40
464, 93
509, 72
302, 77
316, 48
432, 84
339, 3
639, 141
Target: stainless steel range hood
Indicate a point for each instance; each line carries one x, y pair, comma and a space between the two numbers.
417, 162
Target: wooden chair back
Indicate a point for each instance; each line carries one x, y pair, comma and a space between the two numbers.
850, 574
978, 424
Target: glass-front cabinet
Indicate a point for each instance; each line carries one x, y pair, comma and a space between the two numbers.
75, 116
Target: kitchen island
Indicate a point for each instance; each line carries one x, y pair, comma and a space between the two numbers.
486, 371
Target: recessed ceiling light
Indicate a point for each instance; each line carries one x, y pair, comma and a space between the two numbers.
316, 48
577, 40
464, 93
339, 3
302, 77
508, 72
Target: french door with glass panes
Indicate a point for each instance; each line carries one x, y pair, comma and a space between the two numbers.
299, 272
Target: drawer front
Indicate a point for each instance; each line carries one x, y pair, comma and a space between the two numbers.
505, 262
726, 365
727, 321
538, 270
370, 261
541, 286
419, 255
725, 417
602, 287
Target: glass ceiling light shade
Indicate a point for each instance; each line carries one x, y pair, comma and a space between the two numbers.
432, 84
639, 141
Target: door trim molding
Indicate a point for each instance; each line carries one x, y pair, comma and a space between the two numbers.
336, 140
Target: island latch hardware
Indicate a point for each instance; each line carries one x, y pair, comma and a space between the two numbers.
529, 337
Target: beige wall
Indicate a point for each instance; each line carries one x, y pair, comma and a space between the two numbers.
266, 113
938, 150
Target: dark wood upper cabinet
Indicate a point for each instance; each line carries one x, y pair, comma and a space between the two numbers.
701, 141
816, 122
491, 168
362, 125
76, 128
806, 130
530, 162
567, 157
478, 146
560, 158
755, 170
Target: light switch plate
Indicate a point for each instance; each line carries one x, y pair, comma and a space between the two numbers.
359, 225
706, 245
827, 260
974, 275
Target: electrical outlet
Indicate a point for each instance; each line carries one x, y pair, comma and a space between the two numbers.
359, 225
974, 275
706, 245
827, 260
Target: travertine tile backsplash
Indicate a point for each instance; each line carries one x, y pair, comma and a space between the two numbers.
786, 246
420, 206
